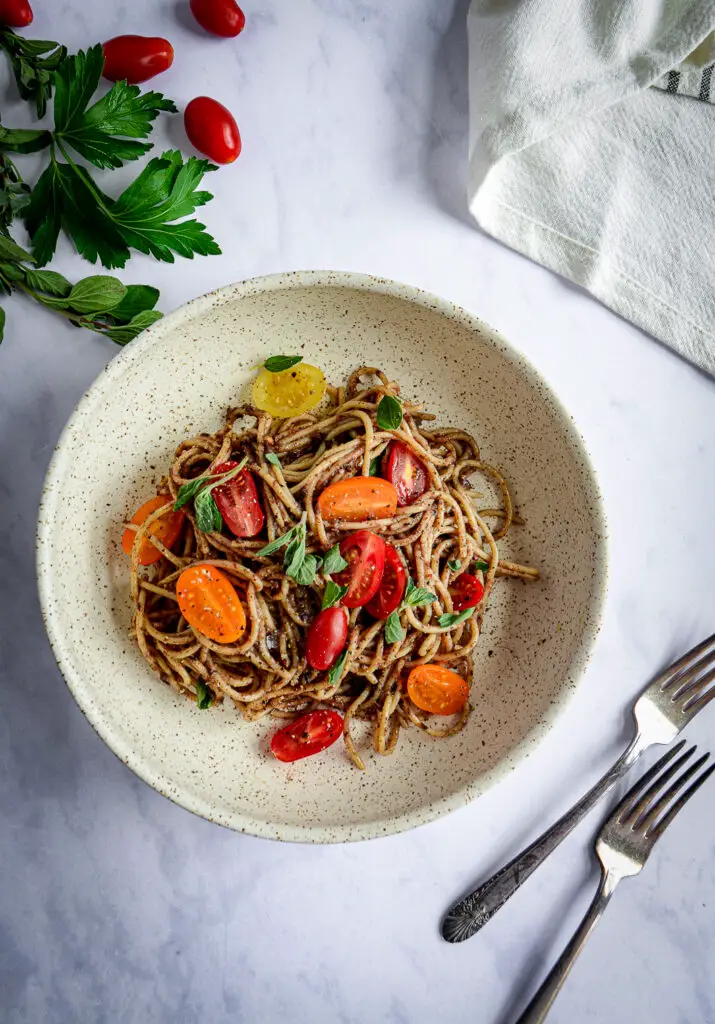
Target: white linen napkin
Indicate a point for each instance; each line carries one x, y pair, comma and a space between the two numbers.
578, 164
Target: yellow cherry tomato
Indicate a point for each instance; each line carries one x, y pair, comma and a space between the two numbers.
290, 392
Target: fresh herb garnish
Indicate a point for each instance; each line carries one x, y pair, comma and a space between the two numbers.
332, 594
208, 517
334, 561
272, 458
394, 632
375, 466
454, 618
415, 595
455, 565
484, 566
297, 564
336, 670
389, 413
204, 697
275, 364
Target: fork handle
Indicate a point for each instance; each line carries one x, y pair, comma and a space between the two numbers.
471, 913
540, 1005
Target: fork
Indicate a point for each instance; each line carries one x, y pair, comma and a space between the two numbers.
623, 846
662, 710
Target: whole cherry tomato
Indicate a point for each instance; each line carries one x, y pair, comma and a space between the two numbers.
166, 529
358, 498
16, 13
136, 58
437, 690
392, 586
238, 502
221, 17
405, 472
365, 554
466, 591
307, 735
212, 129
326, 638
208, 601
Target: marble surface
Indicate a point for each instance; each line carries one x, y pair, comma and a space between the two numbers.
117, 906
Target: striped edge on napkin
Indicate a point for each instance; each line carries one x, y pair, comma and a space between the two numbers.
577, 163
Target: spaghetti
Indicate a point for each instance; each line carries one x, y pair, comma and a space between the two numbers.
266, 672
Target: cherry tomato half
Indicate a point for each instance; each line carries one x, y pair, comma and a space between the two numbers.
406, 473
307, 735
212, 129
221, 17
358, 498
209, 603
289, 392
365, 554
466, 591
166, 529
326, 638
392, 586
238, 502
437, 690
16, 13
136, 58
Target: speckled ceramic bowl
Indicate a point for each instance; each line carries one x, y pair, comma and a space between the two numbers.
176, 379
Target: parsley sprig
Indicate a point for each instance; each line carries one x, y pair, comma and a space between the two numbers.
152, 215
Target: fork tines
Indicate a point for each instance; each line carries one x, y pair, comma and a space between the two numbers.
650, 807
692, 679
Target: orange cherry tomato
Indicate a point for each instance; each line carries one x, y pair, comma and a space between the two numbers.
209, 603
437, 690
166, 529
358, 498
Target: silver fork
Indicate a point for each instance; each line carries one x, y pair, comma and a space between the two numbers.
623, 846
662, 710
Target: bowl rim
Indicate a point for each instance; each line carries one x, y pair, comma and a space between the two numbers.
152, 774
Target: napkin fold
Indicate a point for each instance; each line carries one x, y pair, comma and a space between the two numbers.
577, 163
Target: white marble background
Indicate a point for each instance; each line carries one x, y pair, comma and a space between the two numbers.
115, 905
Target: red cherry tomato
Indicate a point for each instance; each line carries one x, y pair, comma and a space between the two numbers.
238, 502
326, 638
136, 58
438, 690
211, 128
16, 13
365, 554
166, 529
406, 473
221, 17
392, 586
466, 591
307, 735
